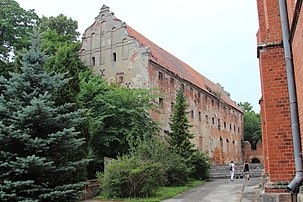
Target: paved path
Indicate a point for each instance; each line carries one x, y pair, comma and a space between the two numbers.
223, 190
220, 190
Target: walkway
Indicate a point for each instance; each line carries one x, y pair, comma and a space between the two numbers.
222, 190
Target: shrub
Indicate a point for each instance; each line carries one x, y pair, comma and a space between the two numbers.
200, 165
175, 169
131, 177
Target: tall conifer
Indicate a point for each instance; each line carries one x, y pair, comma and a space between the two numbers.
38, 138
179, 136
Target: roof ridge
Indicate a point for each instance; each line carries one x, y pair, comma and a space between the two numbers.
179, 67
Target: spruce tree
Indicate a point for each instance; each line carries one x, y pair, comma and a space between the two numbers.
179, 136
37, 138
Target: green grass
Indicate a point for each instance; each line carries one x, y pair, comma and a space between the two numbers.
161, 194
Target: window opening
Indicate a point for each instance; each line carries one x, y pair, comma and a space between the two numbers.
94, 61
161, 102
114, 57
160, 76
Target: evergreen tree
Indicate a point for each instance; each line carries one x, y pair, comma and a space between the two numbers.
179, 136
37, 138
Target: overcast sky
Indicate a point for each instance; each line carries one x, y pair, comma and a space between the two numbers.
215, 37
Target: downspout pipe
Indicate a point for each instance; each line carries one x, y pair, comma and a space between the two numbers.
296, 182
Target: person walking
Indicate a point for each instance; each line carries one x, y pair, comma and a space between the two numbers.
232, 169
246, 170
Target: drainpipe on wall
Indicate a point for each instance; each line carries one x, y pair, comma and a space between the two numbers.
296, 182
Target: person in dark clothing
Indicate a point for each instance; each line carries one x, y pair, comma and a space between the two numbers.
246, 170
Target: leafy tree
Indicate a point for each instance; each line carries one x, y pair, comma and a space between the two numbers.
66, 60
118, 117
60, 43
15, 22
38, 139
252, 126
62, 25
179, 136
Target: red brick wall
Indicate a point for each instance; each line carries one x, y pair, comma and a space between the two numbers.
251, 154
297, 48
221, 143
276, 126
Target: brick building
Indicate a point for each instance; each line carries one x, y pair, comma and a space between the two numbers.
280, 51
122, 55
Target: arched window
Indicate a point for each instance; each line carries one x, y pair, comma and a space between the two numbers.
255, 160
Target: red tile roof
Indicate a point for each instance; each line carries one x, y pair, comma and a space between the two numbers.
178, 67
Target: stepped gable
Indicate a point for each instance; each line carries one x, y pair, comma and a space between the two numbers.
173, 64
178, 67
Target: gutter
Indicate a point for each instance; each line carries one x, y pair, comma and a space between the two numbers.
296, 182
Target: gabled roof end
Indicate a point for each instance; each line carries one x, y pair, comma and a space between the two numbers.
104, 7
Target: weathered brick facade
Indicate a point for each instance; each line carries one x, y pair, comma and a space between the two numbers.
122, 55
253, 155
277, 141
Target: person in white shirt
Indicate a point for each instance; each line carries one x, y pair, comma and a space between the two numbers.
232, 169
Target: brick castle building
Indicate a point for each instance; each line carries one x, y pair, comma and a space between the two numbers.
122, 55
280, 52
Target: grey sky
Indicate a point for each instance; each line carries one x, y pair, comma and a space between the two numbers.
217, 38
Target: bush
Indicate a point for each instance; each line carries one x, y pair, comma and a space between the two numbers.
175, 169
200, 166
131, 177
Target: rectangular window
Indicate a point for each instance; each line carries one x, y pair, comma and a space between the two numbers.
172, 82
93, 61
160, 76
213, 121
192, 114
161, 102
219, 124
114, 57
172, 106
199, 116
182, 86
